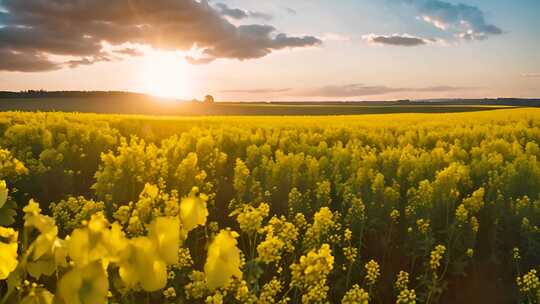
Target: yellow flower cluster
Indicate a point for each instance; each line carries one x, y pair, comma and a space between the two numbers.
284, 230
3, 193
475, 202
223, 261
280, 237
470, 252
423, 225
250, 218
322, 228
197, 287
270, 249
515, 254
270, 291
169, 292
402, 281
351, 253
347, 235
372, 272
8, 251
394, 215
462, 214
406, 296
475, 225
355, 295
436, 257
529, 282
310, 274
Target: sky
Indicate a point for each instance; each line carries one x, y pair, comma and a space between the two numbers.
279, 50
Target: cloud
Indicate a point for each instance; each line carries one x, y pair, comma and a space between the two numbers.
354, 90
199, 61
344, 91
237, 13
28, 62
291, 11
467, 21
33, 32
396, 40
256, 91
531, 75
132, 52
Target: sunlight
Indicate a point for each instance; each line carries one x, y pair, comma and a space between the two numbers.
165, 74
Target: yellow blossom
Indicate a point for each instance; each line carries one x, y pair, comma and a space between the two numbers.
402, 280
165, 233
406, 296
436, 256
8, 251
515, 254
223, 260
373, 272
250, 219
193, 211
529, 282
355, 295
269, 249
3, 193
394, 215
84, 285
461, 213
140, 264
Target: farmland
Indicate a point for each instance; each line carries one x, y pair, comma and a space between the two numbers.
135, 104
393, 208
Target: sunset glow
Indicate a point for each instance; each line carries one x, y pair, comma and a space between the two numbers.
165, 74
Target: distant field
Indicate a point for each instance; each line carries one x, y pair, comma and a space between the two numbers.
157, 107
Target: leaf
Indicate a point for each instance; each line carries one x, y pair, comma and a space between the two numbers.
8, 212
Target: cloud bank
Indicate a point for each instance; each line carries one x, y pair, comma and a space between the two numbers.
237, 13
466, 21
344, 91
396, 40
34, 31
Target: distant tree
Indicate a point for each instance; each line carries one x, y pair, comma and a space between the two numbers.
208, 99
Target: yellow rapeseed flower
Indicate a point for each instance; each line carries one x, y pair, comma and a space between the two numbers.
8, 251
436, 257
355, 295
3, 193
165, 233
84, 285
141, 264
373, 272
193, 212
223, 261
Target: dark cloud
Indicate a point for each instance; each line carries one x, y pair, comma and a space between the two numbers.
27, 62
396, 40
466, 20
89, 60
32, 30
237, 13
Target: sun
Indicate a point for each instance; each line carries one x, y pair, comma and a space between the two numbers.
165, 74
